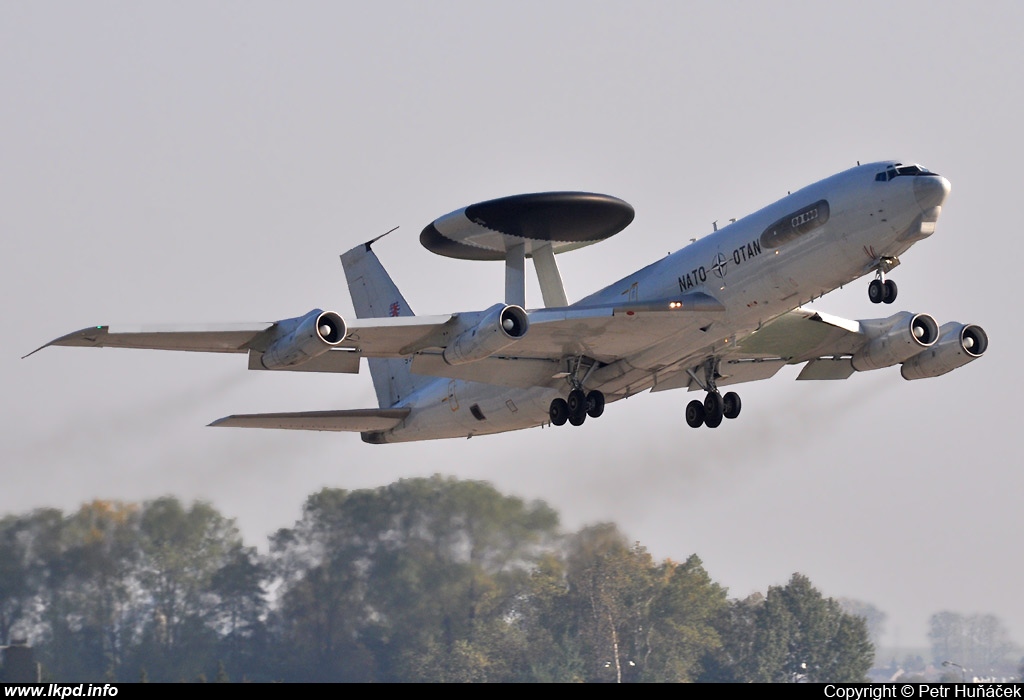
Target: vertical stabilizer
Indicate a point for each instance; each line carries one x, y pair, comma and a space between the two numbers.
374, 295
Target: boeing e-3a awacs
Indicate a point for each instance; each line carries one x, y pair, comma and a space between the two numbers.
723, 310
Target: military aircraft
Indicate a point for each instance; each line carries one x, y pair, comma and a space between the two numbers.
723, 310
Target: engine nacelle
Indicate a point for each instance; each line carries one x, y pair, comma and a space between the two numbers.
311, 335
895, 339
501, 326
959, 344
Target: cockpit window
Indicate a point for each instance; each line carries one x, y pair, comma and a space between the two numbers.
899, 169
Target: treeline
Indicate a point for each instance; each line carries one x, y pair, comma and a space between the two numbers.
422, 580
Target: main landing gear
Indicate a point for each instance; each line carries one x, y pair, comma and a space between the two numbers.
576, 407
579, 404
881, 290
715, 407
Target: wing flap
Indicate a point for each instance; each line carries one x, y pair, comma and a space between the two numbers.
519, 372
610, 332
335, 361
732, 372
801, 335
397, 336
350, 421
827, 368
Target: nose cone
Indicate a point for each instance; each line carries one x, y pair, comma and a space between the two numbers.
930, 191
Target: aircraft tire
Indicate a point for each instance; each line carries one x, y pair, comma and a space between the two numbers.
577, 402
875, 292
575, 419
695, 414
889, 292
558, 412
595, 404
713, 409
731, 405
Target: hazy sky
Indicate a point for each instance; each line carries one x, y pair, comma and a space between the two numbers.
208, 161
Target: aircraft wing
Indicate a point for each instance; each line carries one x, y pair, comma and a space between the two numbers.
826, 343
235, 337
603, 332
831, 347
374, 338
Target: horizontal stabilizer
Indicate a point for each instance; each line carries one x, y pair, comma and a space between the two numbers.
351, 421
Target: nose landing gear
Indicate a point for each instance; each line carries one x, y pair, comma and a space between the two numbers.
881, 290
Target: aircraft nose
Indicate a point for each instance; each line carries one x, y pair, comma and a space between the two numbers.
930, 190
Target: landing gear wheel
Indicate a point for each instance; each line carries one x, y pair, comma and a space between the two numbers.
577, 403
731, 405
695, 414
595, 404
889, 291
876, 292
559, 412
714, 408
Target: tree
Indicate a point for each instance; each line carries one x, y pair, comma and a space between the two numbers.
873, 617
681, 630
375, 582
27, 547
793, 634
182, 551
980, 644
239, 611
93, 613
632, 619
611, 591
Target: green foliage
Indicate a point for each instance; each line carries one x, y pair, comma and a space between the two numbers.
404, 573
793, 634
429, 580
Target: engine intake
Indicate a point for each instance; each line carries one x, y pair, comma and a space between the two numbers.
501, 326
304, 338
959, 344
895, 339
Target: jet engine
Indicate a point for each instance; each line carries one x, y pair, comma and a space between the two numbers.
310, 335
895, 339
500, 326
958, 344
